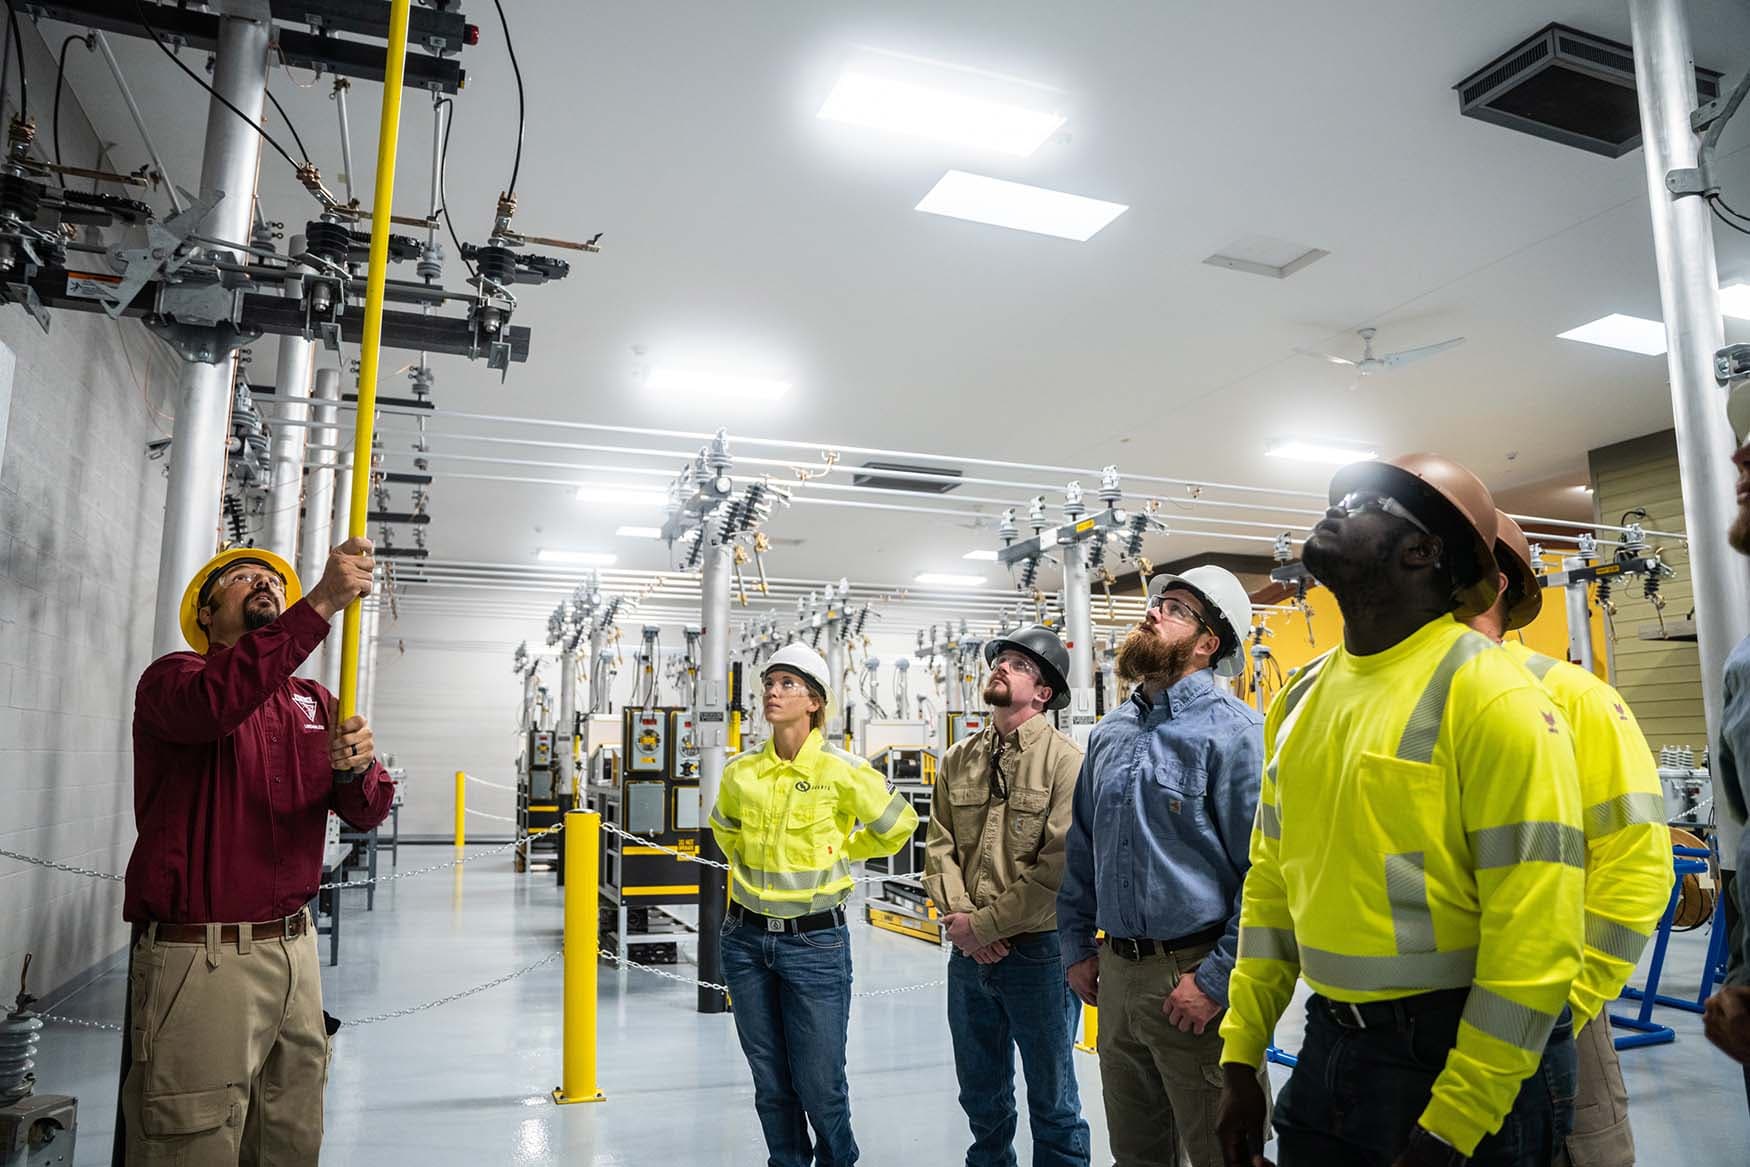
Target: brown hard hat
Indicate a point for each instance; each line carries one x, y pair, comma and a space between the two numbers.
1513, 555
1444, 495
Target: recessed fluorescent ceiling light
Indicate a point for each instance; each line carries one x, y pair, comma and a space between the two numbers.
580, 558
629, 495
863, 100
982, 554
1735, 301
949, 580
724, 385
1014, 204
639, 532
1629, 333
1326, 453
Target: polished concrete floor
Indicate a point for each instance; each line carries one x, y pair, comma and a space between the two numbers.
470, 1082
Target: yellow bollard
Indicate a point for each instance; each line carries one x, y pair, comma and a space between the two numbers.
1090, 1030
583, 842
461, 808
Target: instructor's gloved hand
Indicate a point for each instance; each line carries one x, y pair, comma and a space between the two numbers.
346, 578
1239, 1120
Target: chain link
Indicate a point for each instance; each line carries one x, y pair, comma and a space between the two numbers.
80, 1022
69, 868
494, 785
349, 884
496, 817
492, 984
641, 841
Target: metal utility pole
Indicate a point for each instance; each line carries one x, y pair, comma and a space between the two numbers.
1579, 617
835, 669
1683, 244
203, 402
286, 459
712, 719
565, 773
319, 500
1078, 615
598, 702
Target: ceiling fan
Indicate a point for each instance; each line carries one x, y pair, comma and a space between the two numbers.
1369, 363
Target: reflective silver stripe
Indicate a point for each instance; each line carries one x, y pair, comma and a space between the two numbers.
1625, 810
792, 880
1614, 939
1539, 842
1269, 821
1509, 1021
1423, 728
1540, 665
724, 821
788, 909
1406, 886
889, 817
1301, 685
1412, 971
1268, 944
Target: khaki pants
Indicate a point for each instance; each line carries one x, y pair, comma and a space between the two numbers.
1601, 1137
1161, 1087
230, 1055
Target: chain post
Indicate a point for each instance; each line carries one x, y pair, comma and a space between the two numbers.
582, 953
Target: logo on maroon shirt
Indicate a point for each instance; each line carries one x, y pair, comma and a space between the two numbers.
308, 707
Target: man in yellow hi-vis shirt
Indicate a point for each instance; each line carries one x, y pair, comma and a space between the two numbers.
1417, 858
1628, 851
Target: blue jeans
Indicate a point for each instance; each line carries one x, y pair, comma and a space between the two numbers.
1024, 1002
1356, 1094
792, 999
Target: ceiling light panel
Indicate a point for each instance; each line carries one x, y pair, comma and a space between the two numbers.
1632, 334
728, 387
944, 579
576, 558
939, 114
1320, 450
1016, 205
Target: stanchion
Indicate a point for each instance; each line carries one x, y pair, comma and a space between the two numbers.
582, 940
461, 805
1089, 1044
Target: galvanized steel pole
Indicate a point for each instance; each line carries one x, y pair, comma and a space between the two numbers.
1683, 244
314, 541
203, 401
564, 747
1078, 612
712, 719
286, 457
342, 508
1579, 617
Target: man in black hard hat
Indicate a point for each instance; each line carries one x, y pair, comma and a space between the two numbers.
993, 864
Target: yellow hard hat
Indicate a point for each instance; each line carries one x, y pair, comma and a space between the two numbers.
191, 595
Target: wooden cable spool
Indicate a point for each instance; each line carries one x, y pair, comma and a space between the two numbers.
1695, 903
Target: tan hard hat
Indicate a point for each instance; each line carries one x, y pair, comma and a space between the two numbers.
1513, 555
1465, 496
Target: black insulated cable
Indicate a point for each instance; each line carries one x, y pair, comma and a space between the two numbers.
60, 84
18, 55
297, 139
516, 69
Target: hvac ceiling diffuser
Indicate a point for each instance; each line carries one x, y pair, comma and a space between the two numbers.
1569, 87
904, 476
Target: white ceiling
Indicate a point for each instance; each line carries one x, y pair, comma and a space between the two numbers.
740, 228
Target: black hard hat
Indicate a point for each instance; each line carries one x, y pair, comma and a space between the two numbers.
1043, 647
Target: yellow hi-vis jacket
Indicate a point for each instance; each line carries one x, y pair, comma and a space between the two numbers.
1628, 846
790, 829
1418, 829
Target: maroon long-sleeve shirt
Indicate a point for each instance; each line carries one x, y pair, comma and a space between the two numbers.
232, 784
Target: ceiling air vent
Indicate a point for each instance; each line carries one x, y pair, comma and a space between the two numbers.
898, 476
1569, 87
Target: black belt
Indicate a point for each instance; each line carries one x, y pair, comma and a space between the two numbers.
812, 923
1394, 1013
1137, 948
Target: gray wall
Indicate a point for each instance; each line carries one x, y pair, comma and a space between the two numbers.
81, 509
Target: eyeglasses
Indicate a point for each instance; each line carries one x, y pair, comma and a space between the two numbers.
1367, 500
1014, 662
249, 579
1177, 610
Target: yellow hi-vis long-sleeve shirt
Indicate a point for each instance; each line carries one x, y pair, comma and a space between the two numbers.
1628, 846
789, 829
1418, 829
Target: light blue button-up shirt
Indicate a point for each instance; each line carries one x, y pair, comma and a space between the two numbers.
1730, 763
1160, 840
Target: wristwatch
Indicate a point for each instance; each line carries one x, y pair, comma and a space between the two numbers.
1426, 1147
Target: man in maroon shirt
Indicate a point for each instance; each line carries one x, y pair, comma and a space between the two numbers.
236, 766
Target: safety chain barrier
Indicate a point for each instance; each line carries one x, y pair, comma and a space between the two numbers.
495, 817
494, 785
640, 840
371, 1020
615, 958
336, 885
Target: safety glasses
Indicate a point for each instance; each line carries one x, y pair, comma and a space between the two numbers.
1357, 501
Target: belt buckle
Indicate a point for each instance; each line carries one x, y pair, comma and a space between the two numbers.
773, 924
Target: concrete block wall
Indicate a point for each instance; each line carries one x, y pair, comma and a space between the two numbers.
81, 511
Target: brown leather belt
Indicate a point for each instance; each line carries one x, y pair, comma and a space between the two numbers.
284, 929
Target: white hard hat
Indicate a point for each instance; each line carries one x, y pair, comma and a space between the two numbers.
1221, 591
805, 662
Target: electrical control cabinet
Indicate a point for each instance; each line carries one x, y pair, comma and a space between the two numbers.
963, 725
646, 741
683, 735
